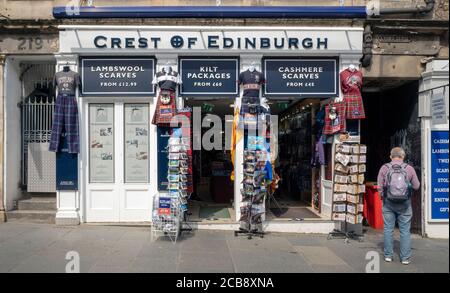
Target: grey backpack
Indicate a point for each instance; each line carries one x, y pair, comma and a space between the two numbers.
397, 183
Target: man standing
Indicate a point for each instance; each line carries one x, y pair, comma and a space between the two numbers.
395, 182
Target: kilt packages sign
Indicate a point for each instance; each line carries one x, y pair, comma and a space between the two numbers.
209, 76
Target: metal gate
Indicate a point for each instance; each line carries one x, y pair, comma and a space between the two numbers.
36, 108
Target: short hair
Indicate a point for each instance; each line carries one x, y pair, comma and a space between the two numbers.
397, 152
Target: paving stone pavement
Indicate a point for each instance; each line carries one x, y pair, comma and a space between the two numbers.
28, 248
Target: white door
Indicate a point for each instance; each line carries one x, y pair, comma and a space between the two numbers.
118, 162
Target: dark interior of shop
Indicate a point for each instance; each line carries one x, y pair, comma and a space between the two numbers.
296, 137
392, 120
213, 188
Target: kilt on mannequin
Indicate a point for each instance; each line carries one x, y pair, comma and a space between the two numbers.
351, 84
165, 108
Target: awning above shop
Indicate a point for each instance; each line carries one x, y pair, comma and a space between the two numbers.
211, 12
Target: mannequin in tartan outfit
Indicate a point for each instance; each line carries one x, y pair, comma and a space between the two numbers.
351, 84
167, 80
65, 116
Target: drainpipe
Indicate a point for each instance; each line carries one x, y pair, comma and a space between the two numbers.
429, 5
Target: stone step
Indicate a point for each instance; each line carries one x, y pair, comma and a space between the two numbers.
44, 217
41, 194
38, 204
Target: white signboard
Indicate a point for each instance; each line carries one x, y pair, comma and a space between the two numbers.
305, 40
438, 106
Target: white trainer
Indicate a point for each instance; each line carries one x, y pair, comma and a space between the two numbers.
388, 259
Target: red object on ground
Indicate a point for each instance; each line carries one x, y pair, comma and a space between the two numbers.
373, 207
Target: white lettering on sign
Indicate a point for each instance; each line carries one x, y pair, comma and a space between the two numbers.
222, 75
208, 68
441, 190
118, 68
439, 151
440, 199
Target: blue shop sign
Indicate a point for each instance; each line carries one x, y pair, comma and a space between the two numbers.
439, 175
301, 77
209, 76
117, 76
66, 167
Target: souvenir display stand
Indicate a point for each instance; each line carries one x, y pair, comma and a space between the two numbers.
348, 190
253, 194
170, 211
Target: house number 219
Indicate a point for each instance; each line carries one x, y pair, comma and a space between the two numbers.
29, 43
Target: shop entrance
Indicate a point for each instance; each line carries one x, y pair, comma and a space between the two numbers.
298, 194
393, 122
117, 162
213, 197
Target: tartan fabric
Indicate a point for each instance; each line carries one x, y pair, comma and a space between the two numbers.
338, 124
164, 113
355, 107
65, 119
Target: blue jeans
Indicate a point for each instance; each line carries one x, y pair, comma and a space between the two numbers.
402, 213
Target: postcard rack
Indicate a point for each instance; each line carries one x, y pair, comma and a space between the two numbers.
170, 209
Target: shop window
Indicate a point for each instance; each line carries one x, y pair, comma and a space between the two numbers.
136, 143
101, 143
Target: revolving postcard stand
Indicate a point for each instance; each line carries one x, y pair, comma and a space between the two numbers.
254, 189
348, 190
170, 210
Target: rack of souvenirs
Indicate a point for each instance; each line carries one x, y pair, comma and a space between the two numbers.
348, 184
170, 209
254, 187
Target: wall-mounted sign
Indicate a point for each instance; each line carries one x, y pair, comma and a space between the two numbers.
212, 41
28, 43
66, 168
439, 175
289, 40
301, 77
209, 76
117, 76
438, 106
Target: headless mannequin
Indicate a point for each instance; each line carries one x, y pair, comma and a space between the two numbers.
65, 84
167, 80
352, 68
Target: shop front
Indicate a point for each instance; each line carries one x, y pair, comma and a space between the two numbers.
123, 164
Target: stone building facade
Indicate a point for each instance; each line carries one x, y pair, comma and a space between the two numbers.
405, 50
